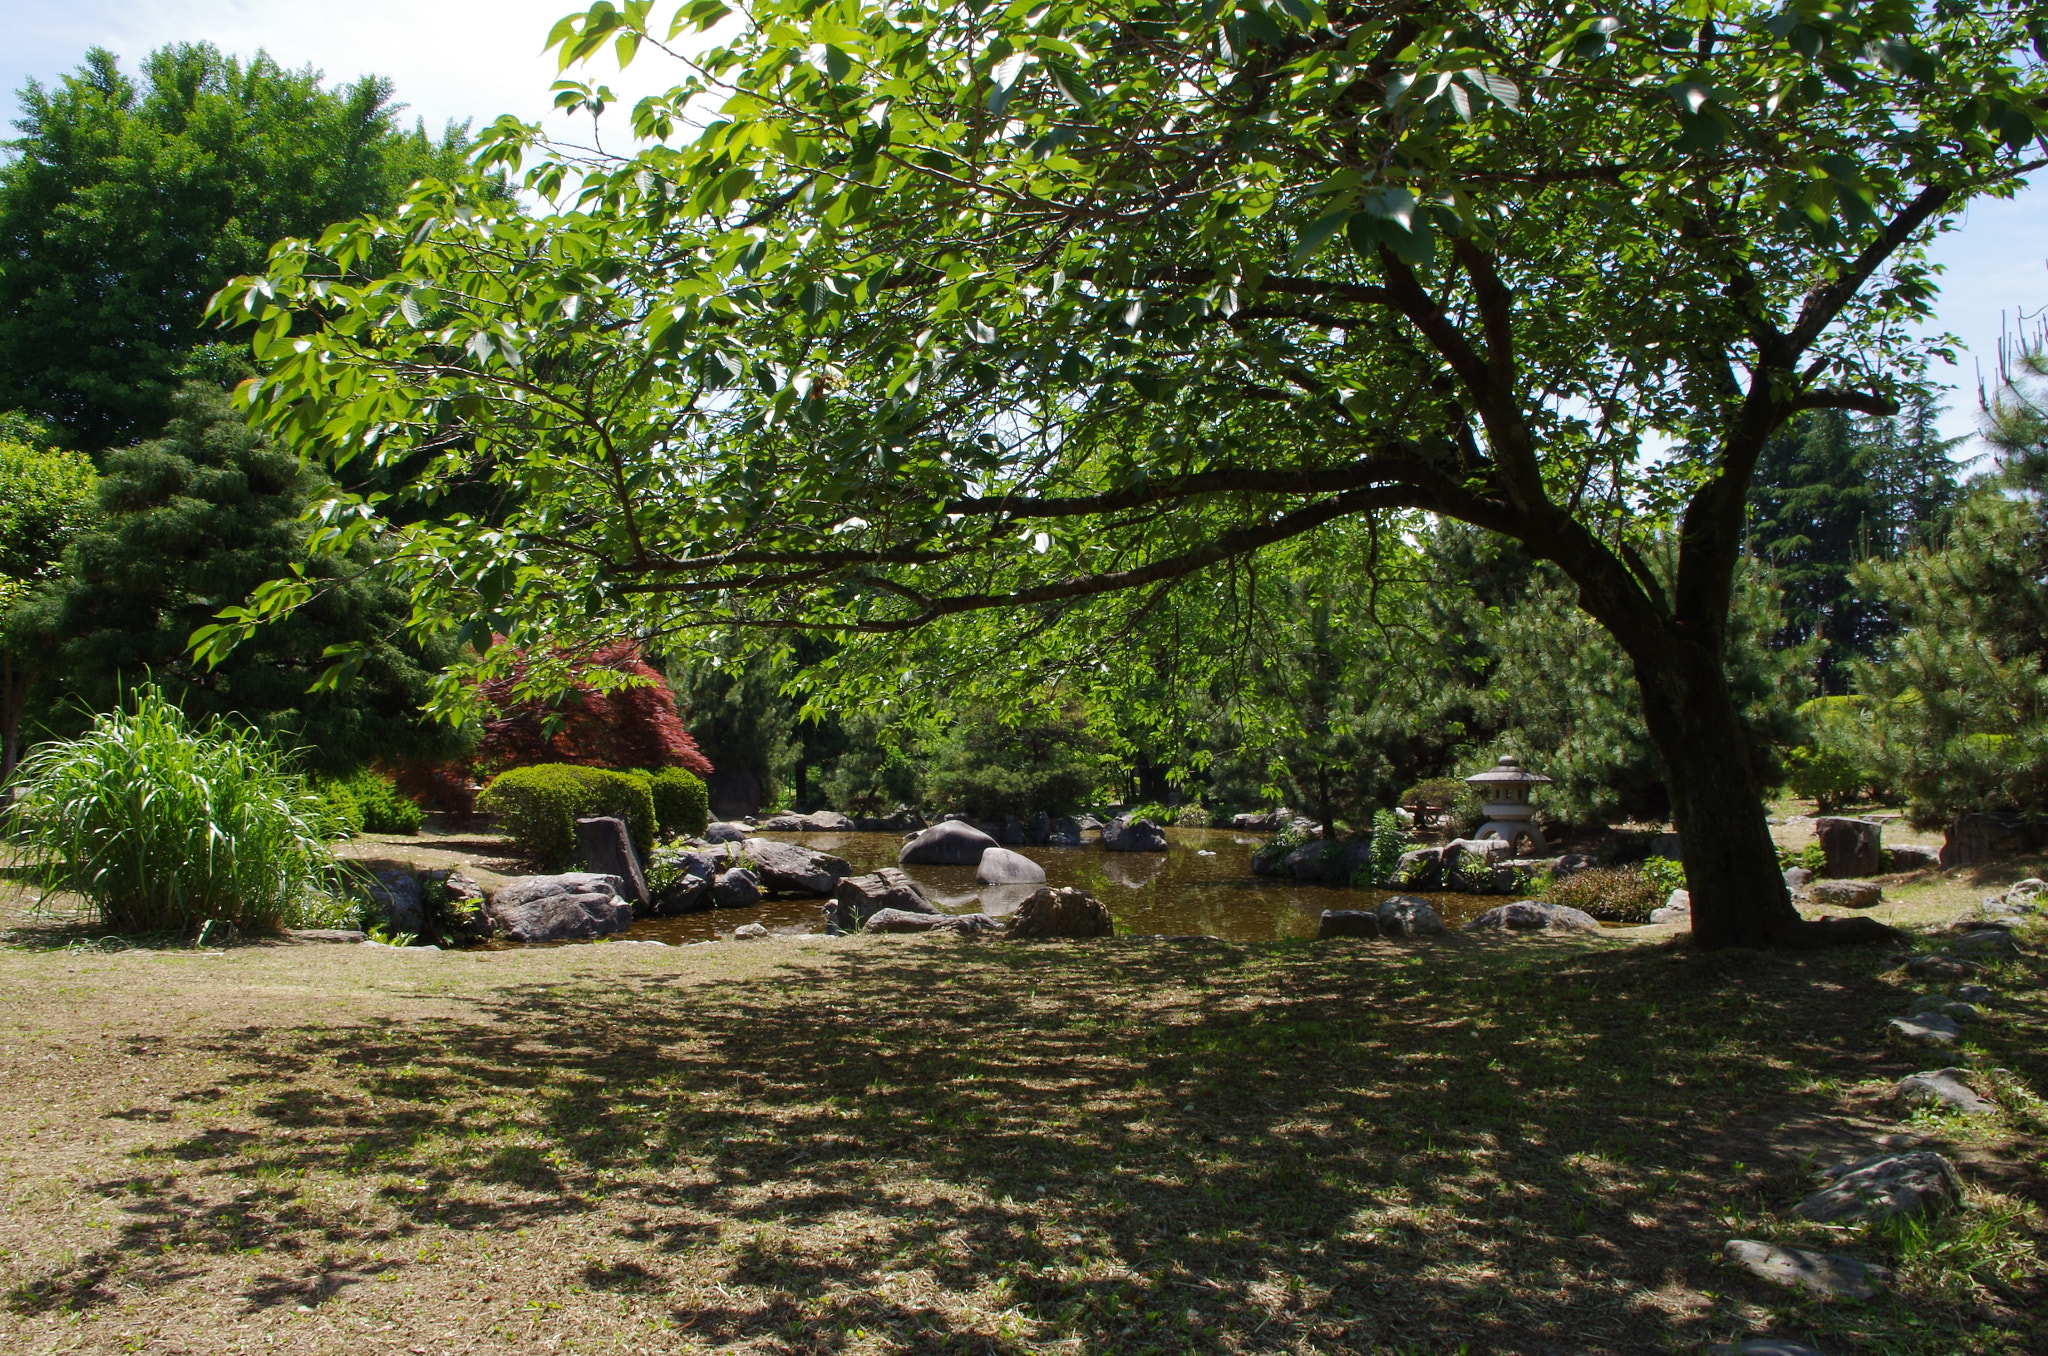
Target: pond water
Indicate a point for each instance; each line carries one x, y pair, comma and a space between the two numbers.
1202, 884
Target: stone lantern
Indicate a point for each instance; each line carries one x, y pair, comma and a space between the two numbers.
1509, 815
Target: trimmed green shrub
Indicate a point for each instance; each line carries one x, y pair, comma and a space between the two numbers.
682, 805
537, 808
369, 802
162, 825
1614, 894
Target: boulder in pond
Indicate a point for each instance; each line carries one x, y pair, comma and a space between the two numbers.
946, 843
1407, 916
1468, 864
1881, 1186
1064, 832
1000, 866
1307, 862
1133, 835
738, 888
1347, 923
1061, 911
858, 898
560, 908
1533, 915
1265, 821
686, 878
1421, 869
787, 869
718, 831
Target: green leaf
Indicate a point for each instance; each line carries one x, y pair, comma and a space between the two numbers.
1318, 235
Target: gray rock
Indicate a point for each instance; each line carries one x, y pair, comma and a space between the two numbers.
1932, 1027
1469, 864
396, 897
1266, 821
1353, 859
829, 821
1989, 943
1347, 923
1530, 915
1061, 911
607, 849
1128, 835
858, 898
784, 823
968, 924
1305, 862
1064, 832
1762, 1346
719, 832
1854, 847
689, 879
1966, 1013
747, 932
1797, 878
1407, 916
1090, 824
1846, 894
1571, 864
1910, 857
1421, 869
2028, 888
1884, 1185
1821, 1272
1939, 966
340, 936
1941, 1087
787, 869
1000, 866
1973, 993
560, 908
1974, 838
738, 888
946, 843
1677, 908
901, 920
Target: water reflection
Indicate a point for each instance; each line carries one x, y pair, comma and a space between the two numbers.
1202, 884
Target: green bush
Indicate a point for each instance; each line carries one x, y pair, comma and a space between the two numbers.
1664, 875
162, 825
682, 807
1388, 843
368, 802
537, 808
1617, 894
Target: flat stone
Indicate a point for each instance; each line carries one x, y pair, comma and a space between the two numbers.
1986, 942
1531, 915
968, 924
1824, 1273
1846, 894
747, 932
1763, 1346
1932, 1027
1965, 1013
858, 898
1000, 866
1939, 967
1972, 993
1885, 1185
901, 920
786, 868
721, 832
342, 936
1347, 923
1941, 1087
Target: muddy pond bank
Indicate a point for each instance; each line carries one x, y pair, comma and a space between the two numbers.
1202, 884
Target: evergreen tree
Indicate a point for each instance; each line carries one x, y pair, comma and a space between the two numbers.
191, 523
128, 203
47, 497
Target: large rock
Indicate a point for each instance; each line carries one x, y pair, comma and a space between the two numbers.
1677, 909
1824, 1273
1407, 916
1939, 966
398, 901
1884, 1185
968, 924
1000, 866
1911, 857
1469, 864
1422, 869
1974, 838
686, 878
1347, 923
1571, 864
1064, 832
1530, 915
1928, 1028
901, 920
1797, 878
1941, 1087
1307, 862
1266, 821
1061, 911
738, 888
719, 832
858, 898
1854, 847
787, 869
829, 821
1133, 835
946, 843
607, 850
1985, 943
902, 819
1846, 894
560, 908
1352, 858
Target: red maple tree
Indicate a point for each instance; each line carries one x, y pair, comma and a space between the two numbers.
635, 726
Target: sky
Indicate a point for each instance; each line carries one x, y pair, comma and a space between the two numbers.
475, 59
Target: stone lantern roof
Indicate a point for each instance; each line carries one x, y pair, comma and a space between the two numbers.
1507, 772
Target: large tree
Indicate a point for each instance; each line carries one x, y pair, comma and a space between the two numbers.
127, 203
914, 313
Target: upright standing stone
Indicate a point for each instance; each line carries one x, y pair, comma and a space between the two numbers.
1854, 847
608, 850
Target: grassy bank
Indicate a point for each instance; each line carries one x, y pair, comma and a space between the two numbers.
884, 1144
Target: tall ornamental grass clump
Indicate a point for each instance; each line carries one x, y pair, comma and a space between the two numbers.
162, 825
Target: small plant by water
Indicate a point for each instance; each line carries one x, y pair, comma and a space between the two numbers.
162, 825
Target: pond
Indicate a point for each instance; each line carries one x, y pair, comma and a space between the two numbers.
1202, 884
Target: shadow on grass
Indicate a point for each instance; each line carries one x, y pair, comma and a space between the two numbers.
1528, 1147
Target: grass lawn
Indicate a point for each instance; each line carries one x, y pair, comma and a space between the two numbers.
920, 1144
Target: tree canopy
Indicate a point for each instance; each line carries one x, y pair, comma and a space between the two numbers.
912, 313
128, 201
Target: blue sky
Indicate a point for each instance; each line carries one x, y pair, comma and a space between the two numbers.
475, 59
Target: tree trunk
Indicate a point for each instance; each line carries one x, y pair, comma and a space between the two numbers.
1739, 896
13, 698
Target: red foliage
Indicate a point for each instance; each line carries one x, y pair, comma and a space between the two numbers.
628, 727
